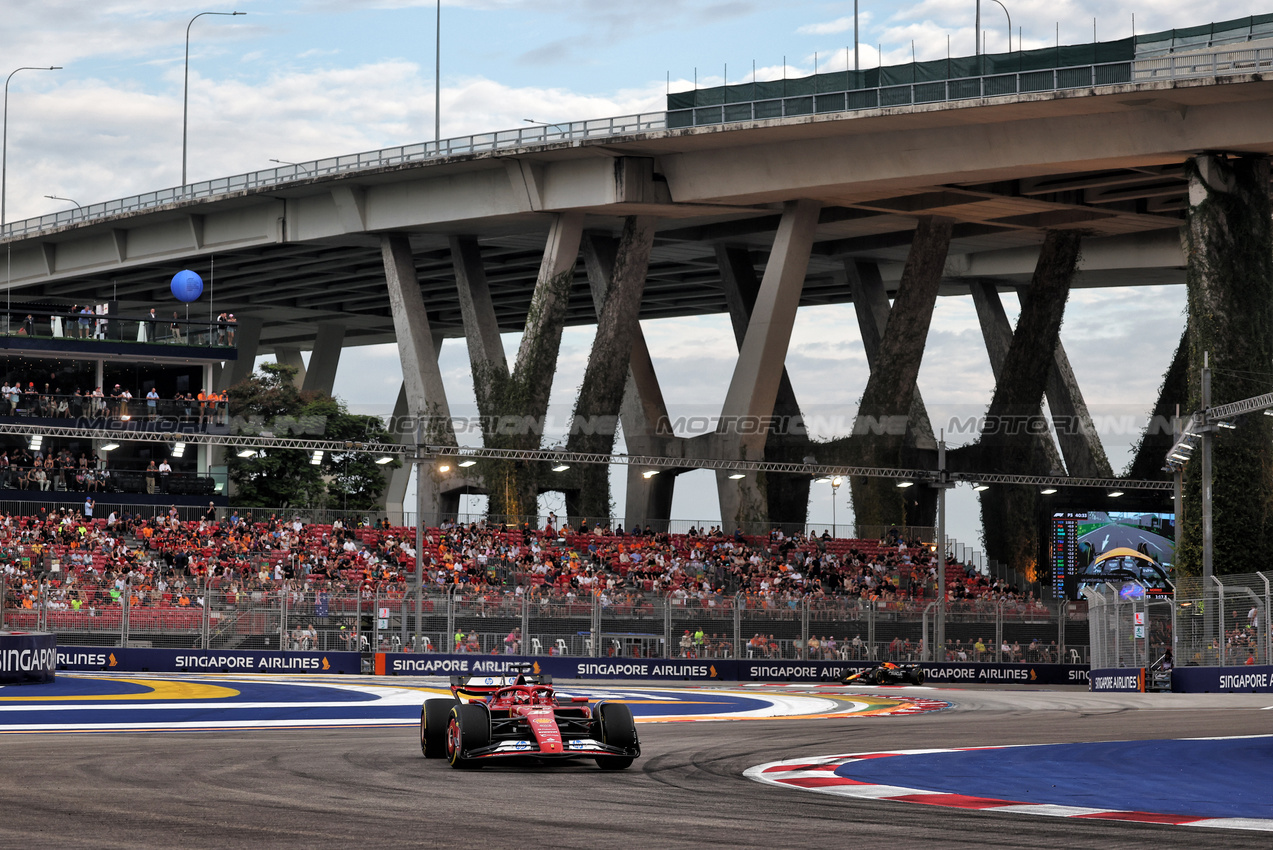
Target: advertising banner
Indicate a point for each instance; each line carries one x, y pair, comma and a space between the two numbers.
1205, 680
709, 669
27, 658
1118, 679
146, 660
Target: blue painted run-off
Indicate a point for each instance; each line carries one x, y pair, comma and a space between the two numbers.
1203, 778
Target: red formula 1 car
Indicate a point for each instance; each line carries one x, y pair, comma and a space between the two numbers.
521, 717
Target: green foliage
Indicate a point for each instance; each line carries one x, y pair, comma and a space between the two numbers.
1230, 282
281, 478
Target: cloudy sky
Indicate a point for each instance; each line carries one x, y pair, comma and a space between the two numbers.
302, 79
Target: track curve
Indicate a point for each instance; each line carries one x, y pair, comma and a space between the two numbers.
370, 787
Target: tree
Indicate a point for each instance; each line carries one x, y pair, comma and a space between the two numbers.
269, 403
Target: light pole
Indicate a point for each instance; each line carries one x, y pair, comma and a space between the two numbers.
78, 206
293, 164
835, 485
437, 80
185, 94
544, 124
4, 144
1009, 14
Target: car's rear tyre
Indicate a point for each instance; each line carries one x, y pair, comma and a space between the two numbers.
614, 726
434, 715
917, 676
467, 729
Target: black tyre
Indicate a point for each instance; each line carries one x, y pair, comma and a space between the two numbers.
433, 719
917, 676
467, 729
614, 726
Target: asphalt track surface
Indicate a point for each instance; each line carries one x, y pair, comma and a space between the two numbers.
369, 787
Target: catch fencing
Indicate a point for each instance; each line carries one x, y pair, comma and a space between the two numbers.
1224, 625
224, 617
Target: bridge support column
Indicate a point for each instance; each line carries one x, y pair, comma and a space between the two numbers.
1009, 513
598, 406
870, 302
753, 390
879, 432
421, 378
1229, 246
787, 496
247, 340
323, 360
1160, 434
646, 425
289, 356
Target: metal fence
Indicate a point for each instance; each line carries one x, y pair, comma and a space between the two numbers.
1225, 625
515, 622
1175, 66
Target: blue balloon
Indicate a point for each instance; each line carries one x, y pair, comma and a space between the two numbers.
187, 286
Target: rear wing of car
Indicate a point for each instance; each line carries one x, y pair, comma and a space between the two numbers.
480, 687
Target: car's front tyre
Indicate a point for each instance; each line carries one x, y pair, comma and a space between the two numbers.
468, 728
615, 727
434, 715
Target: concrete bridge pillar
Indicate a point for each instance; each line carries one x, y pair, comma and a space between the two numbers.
605, 378
787, 496
323, 360
643, 412
754, 388
247, 340
870, 301
291, 356
1229, 245
422, 380
882, 423
1009, 514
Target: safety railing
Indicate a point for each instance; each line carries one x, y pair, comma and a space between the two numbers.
231, 615
1175, 66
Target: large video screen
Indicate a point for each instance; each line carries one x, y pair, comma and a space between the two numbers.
1083, 545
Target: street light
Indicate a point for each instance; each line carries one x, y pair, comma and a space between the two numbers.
185, 95
4, 145
78, 206
293, 164
1006, 12
835, 485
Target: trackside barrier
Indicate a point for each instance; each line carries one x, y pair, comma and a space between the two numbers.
1246, 679
27, 658
706, 670
1118, 679
147, 660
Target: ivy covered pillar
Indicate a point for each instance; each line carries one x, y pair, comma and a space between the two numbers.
870, 302
1228, 243
879, 432
596, 419
514, 404
1009, 513
643, 412
753, 389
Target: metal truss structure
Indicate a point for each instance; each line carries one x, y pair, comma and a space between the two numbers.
411, 453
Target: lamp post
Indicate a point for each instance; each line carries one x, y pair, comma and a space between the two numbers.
1009, 14
293, 164
835, 485
185, 94
4, 144
437, 81
78, 206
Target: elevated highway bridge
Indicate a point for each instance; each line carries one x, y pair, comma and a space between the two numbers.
752, 218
